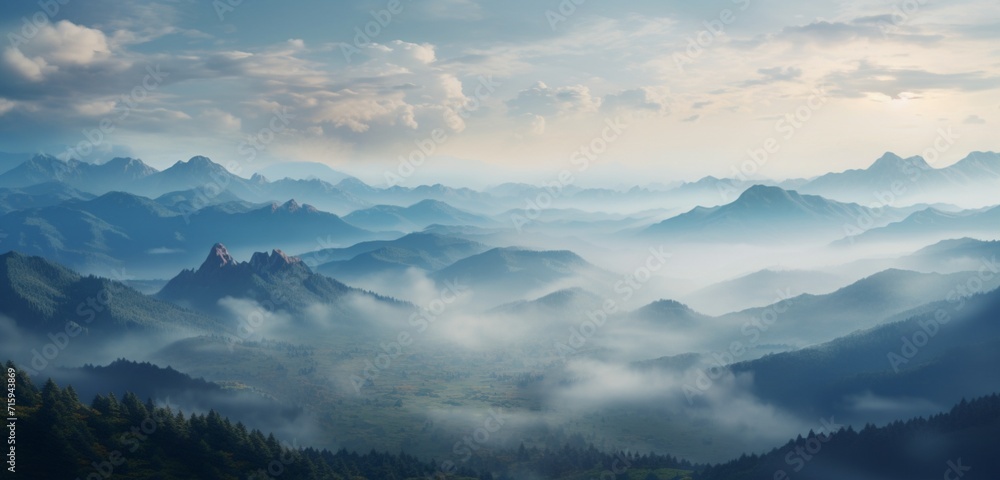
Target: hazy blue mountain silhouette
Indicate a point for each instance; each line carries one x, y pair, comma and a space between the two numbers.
763, 213
911, 180
425, 251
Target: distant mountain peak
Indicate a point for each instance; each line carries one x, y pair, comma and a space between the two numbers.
669, 305
276, 261
218, 257
709, 180
429, 202
351, 182
198, 164
668, 310
888, 157
764, 193
891, 161
259, 179
290, 206
128, 163
261, 263
980, 162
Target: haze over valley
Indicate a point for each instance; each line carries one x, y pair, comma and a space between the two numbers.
458, 240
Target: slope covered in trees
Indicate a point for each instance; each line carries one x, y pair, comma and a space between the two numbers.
60, 437
961, 441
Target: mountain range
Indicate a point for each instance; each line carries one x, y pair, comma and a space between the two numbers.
930, 225
44, 298
425, 251
121, 230
894, 180
38, 195
808, 319
938, 355
518, 272
275, 281
413, 218
768, 214
759, 288
866, 311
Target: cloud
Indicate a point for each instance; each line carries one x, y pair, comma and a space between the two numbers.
55, 46
838, 33
223, 121
868, 78
395, 87
404, 54
974, 120
33, 69
829, 32
774, 75
650, 99
6, 106
543, 100
533, 124
874, 19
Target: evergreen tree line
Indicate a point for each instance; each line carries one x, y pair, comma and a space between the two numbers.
58, 436
904, 450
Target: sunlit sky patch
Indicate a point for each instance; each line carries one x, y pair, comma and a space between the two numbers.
518, 85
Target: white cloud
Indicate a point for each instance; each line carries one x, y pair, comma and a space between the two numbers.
32, 69
974, 120
66, 43
541, 99
6, 105
219, 120
653, 99
95, 108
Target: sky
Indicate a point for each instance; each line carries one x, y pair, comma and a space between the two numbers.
648, 91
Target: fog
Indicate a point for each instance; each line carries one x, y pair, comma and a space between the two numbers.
632, 324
